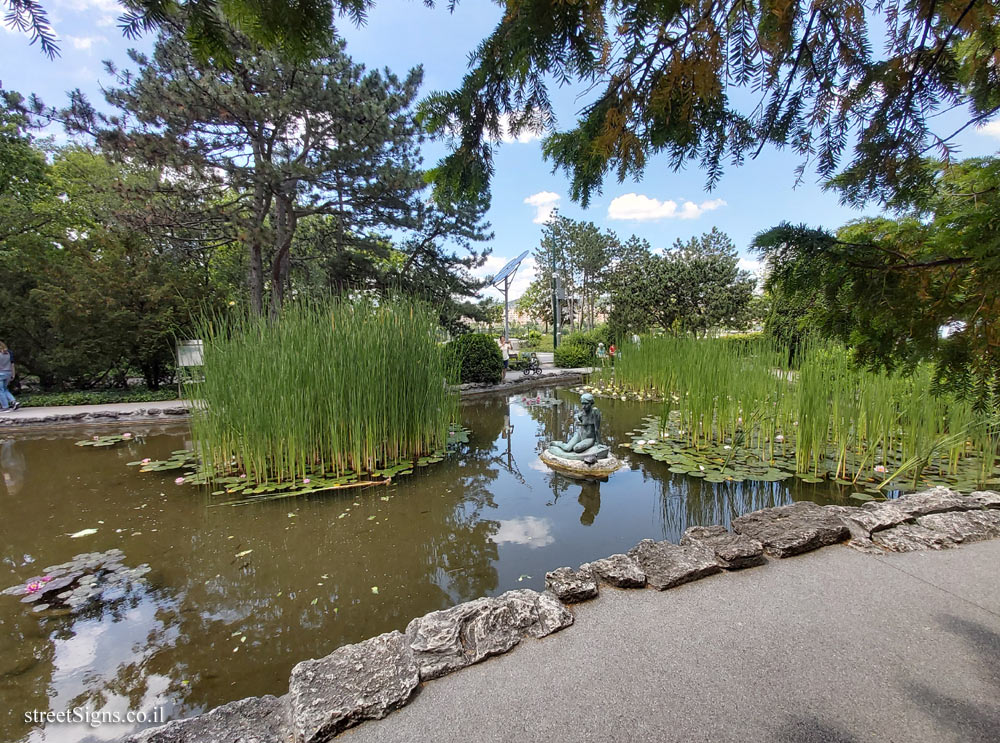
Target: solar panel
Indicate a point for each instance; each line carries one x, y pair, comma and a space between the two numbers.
509, 269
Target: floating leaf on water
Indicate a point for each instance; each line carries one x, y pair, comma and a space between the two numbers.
375, 589
862, 496
244, 553
523, 578
371, 518
83, 533
314, 602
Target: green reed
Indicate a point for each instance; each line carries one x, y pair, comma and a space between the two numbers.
837, 420
329, 389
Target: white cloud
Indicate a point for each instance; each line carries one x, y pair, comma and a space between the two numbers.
545, 203
641, 208
85, 42
529, 530
990, 129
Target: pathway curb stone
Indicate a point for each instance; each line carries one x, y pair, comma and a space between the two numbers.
353, 684
733, 551
667, 565
620, 571
447, 640
571, 586
791, 530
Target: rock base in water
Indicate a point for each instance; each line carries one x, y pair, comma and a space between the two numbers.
581, 467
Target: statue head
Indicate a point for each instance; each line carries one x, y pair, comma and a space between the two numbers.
587, 400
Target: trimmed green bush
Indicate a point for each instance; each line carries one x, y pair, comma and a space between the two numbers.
477, 357
573, 355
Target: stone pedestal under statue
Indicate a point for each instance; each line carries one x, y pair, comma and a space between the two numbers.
584, 453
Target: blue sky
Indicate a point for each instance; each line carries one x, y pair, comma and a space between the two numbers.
663, 206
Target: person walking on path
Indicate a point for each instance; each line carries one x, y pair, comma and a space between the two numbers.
7, 370
505, 349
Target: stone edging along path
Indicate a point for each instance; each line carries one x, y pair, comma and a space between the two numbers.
371, 678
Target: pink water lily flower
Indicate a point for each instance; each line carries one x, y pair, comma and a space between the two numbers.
46, 578
880, 468
147, 460
34, 587
179, 480
305, 481
126, 435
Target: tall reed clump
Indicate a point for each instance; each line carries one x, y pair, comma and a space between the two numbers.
330, 389
837, 420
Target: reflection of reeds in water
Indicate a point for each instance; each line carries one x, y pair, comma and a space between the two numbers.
686, 501
834, 418
328, 388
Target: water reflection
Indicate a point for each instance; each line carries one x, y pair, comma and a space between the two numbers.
529, 530
12, 465
298, 577
590, 499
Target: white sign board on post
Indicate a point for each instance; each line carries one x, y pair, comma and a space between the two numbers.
190, 353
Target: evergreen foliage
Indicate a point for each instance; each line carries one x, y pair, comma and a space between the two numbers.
276, 144
477, 358
899, 291
853, 87
574, 355
695, 287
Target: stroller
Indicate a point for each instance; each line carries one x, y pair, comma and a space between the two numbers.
534, 365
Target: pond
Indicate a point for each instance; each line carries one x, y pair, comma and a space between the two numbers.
238, 594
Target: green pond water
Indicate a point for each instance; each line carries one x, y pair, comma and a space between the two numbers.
488, 519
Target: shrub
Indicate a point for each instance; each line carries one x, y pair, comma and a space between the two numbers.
573, 355
96, 397
531, 339
477, 357
588, 338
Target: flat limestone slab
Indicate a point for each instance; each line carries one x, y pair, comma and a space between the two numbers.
667, 565
254, 720
791, 530
354, 683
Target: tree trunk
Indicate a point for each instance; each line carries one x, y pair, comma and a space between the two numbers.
256, 279
285, 219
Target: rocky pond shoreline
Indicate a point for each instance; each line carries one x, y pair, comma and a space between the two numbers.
368, 680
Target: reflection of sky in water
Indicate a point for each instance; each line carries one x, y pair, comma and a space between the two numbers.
529, 530
95, 657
